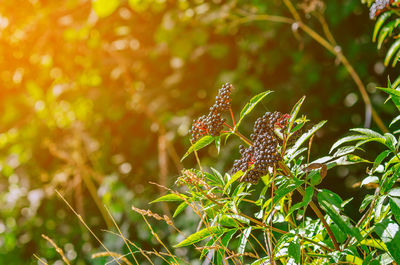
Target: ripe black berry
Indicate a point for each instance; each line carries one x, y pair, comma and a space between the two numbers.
257, 159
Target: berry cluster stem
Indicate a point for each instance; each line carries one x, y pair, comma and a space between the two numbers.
237, 133
233, 117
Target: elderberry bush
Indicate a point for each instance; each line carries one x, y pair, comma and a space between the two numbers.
267, 140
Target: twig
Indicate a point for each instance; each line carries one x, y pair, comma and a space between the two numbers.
58, 249
313, 206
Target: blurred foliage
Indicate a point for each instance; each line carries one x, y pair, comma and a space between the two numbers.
96, 96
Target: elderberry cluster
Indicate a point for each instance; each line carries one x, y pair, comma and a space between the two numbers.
256, 160
212, 123
379, 6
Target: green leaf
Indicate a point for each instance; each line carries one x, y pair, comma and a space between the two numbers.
379, 23
375, 243
389, 232
170, 198
381, 157
367, 201
395, 207
394, 93
370, 179
353, 259
330, 203
104, 8
180, 208
218, 143
378, 208
203, 234
294, 250
382, 35
220, 253
243, 239
391, 52
368, 132
346, 140
394, 192
390, 141
304, 137
284, 190
251, 105
293, 114
306, 200
235, 177
395, 120
201, 143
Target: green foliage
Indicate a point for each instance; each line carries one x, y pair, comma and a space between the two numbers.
97, 97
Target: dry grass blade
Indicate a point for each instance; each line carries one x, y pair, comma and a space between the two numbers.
40, 260
113, 254
87, 227
58, 249
119, 231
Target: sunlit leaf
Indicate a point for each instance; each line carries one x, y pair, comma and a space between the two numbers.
201, 143
389, 232
251, 105
202, 234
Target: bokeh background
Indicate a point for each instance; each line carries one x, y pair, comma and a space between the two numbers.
97, 97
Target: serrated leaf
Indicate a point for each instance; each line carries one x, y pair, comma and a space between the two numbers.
370, 179
382, 35
304, 137
394, 48
218, 143
353, 259
294, 250
395, 207
235, 177
394, 192
381, 157
251, 105
330, 203
243, 239
379, 23
346, 140
394, 93
170, 198
293, 114
306, 200
368, 132
395, 120
180, 208
201, 143
390, 141
375, 243
202, 234
366, 201
389, 232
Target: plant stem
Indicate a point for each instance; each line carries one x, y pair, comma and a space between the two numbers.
313, 206
233, 117
237, 133
331, 47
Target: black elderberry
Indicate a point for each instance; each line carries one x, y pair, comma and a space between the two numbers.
212, 124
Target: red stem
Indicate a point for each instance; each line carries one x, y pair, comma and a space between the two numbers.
233, 118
